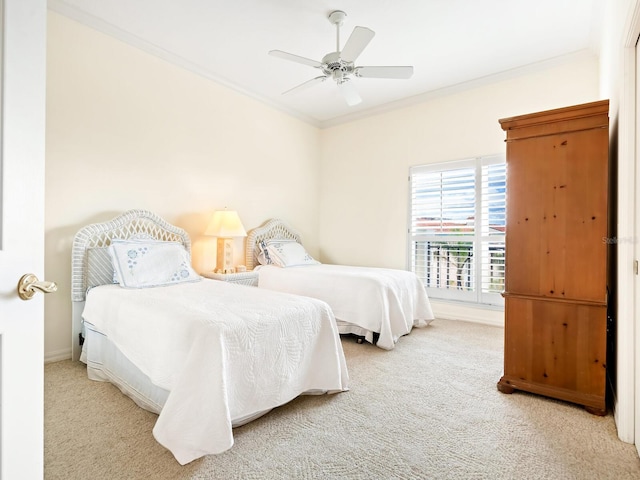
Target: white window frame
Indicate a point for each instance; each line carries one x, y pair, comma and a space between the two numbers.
480, 238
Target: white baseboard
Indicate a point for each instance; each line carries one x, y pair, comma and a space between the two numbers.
456, 311
50, 357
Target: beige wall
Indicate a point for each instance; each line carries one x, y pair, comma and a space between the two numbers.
128, 130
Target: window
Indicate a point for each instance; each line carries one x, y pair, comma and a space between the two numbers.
457, 228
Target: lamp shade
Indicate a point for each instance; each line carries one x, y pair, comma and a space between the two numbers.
225, 224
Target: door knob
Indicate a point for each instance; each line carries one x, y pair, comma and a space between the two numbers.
29, 285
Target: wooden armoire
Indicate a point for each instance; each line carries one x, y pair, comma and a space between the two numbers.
556, 254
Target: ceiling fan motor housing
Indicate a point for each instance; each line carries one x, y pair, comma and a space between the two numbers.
334, 66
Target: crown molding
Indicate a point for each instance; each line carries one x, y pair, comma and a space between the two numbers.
91, 21
74, 13
463, 86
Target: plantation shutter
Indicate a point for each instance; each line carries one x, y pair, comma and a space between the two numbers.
456, 234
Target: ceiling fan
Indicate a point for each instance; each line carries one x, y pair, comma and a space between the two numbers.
339, 65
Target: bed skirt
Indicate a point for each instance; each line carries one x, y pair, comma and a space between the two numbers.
106, 363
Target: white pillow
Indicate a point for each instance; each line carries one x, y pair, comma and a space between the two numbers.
140, 264
263, 256
288, 254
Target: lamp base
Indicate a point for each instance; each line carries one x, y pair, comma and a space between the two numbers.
225, 271
224, 256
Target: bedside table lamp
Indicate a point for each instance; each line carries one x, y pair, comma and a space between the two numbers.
226, 225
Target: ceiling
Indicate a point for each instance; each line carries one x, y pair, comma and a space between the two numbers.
452, 44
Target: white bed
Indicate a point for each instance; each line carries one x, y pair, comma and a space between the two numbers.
205, 355
377, 304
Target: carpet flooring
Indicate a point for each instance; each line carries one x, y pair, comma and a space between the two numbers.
429, 409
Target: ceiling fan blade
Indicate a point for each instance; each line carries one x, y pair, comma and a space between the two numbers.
305, 85
349, 92
384, 72
295, 58
359, 39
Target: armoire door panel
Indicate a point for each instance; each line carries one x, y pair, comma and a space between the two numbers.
565, 348
563, 197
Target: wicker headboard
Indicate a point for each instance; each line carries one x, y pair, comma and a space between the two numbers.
96, 237
271, 229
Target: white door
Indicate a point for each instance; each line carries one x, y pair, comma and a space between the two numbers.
22, 237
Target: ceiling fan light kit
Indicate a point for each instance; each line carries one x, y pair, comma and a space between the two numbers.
340, 65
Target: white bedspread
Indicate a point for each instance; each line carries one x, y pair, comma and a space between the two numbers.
387, 301
224, 351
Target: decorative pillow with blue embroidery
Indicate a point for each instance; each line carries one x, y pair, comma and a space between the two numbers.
141, 264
